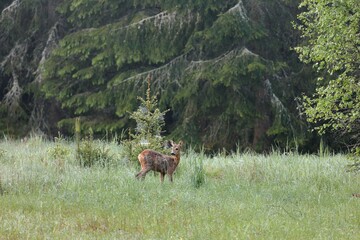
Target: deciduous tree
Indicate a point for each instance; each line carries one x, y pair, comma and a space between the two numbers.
331, 32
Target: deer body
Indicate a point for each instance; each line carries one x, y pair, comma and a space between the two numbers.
158, 162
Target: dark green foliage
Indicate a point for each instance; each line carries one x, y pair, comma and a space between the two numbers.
28, 29
224, 68
91, 152
218, 66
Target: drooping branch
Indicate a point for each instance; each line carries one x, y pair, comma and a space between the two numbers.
13, 96
240, 10
159, 20
15, 58
171, 70
215, 62
10, 11
51, 44
280, 109
37, 122
14, 62
181, 65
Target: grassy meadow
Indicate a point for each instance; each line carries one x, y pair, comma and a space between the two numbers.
45, 194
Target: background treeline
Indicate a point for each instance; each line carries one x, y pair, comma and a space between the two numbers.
225, 69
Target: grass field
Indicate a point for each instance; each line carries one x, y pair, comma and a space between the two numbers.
45, 194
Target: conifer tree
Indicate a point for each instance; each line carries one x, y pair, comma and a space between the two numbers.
29, 30
224, 68
149, 123
219, 65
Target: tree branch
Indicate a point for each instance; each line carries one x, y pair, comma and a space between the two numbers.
240, 10
12, 97
51, 43
10, 10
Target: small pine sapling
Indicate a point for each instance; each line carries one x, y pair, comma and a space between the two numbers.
149, 123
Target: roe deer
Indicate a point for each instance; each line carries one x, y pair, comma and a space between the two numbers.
165, 164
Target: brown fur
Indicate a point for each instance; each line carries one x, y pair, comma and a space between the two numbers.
158, 162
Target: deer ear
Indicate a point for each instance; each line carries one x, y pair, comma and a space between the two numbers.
167, 144
171, 143
181, 143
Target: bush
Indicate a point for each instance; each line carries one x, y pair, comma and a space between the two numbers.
59, 151
198, 174
90, 153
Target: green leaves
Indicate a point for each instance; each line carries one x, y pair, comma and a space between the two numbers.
332, 34
331, 31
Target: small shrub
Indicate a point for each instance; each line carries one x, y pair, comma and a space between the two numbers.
59, 151
89, 153
149, 122
198, 175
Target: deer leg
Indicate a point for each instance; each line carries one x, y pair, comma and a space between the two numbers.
162, 177
138, 174
143, 173
170, 177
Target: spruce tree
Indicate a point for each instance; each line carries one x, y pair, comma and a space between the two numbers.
29, 30
149, 123
221, 66
224, 68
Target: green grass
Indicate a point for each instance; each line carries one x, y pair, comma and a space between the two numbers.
45, 194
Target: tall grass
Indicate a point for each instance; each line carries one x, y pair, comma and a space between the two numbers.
45, 193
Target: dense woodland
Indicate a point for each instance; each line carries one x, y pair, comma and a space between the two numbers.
226, 70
